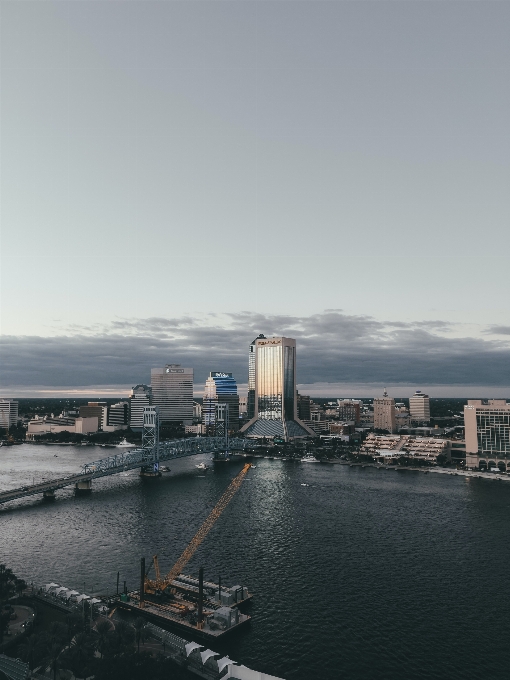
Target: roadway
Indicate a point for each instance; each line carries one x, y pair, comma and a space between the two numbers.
132, 459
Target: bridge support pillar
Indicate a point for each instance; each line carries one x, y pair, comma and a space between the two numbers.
49, 495
84, 486
150, 471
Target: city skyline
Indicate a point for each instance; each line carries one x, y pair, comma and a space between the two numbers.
340, 355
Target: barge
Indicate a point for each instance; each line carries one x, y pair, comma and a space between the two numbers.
181, 615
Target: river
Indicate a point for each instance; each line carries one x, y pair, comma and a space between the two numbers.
357, 573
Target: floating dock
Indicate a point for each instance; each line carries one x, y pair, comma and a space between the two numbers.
181, 615
207, 609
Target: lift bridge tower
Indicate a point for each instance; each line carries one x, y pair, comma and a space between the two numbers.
150, 441
221, 428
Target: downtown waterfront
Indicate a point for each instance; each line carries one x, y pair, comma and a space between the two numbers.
356, 573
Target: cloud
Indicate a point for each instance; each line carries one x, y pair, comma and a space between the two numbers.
332, 348
498, 330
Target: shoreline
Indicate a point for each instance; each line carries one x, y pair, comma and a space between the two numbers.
442, 471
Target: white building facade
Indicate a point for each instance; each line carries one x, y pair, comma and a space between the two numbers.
140, 398
8, 413
384, 414
172, 392
419, 408
487, 427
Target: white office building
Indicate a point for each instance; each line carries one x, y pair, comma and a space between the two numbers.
384, 414
139, 399
419, 408
8, 413
487, 428
172, 392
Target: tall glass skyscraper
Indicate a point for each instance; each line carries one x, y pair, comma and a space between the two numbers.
275, 391
220, 388
250, 410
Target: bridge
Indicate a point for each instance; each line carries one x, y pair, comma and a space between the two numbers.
147, 459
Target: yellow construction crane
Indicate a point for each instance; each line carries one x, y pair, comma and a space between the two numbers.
159, 584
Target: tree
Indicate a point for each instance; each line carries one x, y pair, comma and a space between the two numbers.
139, 626
32, 650
103, 627
74, 624
79, 657
125, 632
21, 586
52, 660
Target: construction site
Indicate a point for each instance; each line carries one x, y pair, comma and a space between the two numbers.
182, 602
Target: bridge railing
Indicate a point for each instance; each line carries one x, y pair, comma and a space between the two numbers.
175, 448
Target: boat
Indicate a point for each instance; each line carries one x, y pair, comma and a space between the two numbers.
201, 466
123, 444
309, 458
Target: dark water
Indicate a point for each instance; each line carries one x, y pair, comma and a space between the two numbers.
361, 574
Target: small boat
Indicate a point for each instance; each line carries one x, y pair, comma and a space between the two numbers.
201, 466
309, 458
123, 444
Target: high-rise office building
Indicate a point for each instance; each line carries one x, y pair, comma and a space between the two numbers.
384, 413
487, 431
275, 391
220, 388
172, 392
118, 414
419, 408
96, 409
8, 413
140, 398
250, 410
349, 410
303, 406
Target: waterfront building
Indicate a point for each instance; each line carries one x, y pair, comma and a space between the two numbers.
8, 413
96, 409
250, 408
349, 409
220, 388
118, 415
275, 391
172, 392
47, 425
384, 413
384, 447
419, 408
487, 429
140, 398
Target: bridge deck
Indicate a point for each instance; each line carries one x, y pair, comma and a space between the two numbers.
135, 458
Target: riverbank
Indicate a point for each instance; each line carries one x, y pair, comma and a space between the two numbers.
444, 471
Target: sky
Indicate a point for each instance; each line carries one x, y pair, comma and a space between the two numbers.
180, 176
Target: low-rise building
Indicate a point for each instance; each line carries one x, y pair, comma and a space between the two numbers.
342, 428
349, 409
388, 446
47, 425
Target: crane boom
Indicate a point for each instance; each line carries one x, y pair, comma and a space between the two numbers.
197, 539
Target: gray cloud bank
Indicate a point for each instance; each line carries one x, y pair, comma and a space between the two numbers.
332, 348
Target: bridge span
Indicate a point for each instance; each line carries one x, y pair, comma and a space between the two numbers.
147, 458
